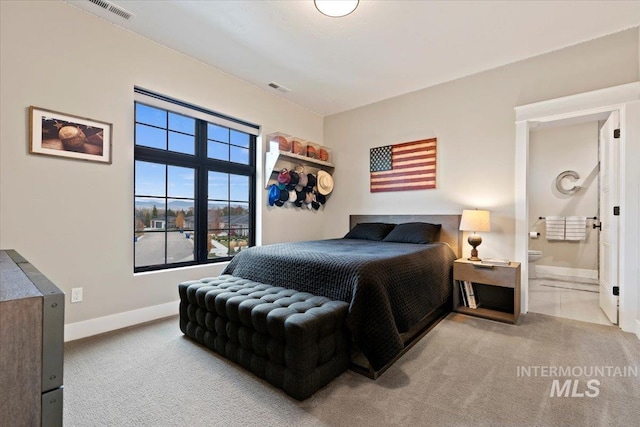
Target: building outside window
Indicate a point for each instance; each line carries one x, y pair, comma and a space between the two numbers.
194, 187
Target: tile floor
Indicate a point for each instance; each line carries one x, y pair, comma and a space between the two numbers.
561, 298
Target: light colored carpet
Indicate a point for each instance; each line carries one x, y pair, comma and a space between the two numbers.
463, 373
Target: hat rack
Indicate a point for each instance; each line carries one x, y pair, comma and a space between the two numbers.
280, 158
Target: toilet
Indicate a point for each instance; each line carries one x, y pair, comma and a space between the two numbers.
534, 256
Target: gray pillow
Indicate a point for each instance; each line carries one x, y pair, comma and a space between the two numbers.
369, 231
414, 232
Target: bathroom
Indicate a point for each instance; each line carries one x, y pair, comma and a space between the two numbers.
564, 200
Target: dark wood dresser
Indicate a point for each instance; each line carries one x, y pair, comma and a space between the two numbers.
31, 345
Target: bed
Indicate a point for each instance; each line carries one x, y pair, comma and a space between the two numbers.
396, 291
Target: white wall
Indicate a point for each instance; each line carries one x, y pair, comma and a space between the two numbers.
71, 219
473, 119
552, 151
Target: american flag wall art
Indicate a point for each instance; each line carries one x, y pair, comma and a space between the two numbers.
406, 166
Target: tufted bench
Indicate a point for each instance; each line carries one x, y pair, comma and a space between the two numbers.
295, 340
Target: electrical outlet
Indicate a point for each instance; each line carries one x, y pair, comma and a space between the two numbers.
76, 295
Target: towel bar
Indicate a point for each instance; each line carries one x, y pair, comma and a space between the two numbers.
589, 217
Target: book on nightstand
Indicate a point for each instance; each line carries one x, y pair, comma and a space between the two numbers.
470, 294
464, 294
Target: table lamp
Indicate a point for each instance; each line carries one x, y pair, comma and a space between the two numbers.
475, 220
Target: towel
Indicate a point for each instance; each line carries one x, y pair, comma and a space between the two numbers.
555, 227
575, 228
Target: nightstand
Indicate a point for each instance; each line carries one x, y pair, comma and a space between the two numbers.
496, 289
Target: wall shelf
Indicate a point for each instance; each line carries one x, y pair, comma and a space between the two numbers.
275, 158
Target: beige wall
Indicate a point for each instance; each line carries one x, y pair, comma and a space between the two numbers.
552, 151
473, 119
71, 219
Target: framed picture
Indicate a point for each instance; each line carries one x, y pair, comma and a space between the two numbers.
404, 166
64, 135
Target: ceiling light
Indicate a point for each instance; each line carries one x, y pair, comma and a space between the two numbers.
336, 8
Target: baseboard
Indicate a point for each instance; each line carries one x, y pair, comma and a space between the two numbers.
99, 325
561, 273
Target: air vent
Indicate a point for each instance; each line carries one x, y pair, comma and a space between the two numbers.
110, 7
102, 4
279, 87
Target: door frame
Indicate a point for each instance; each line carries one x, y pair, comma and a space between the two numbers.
625, 99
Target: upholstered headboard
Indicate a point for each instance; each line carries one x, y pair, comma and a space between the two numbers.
449, 232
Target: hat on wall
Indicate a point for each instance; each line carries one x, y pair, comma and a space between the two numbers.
311, 180
325, 183
302, 181
300, 195
321, 198
274, 194
283, 196
309, 197
284, 177
294, 177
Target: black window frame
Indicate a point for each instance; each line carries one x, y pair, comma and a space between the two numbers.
201, 165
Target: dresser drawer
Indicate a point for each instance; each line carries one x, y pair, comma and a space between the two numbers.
506, 276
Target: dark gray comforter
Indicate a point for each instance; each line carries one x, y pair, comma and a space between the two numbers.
389, 286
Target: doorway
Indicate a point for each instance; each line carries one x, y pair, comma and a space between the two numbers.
565, 187
626, 100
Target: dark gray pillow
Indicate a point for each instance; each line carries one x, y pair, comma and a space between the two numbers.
370, 231
414, 232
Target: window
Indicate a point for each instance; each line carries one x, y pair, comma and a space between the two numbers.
194, 187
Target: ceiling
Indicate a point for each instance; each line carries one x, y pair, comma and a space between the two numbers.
383, 49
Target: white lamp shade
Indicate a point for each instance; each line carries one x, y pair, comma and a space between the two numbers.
336, 8
475, 220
